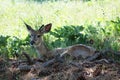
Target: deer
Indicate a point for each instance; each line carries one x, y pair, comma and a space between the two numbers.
36, 40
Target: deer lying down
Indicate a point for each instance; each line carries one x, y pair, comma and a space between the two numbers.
36, 40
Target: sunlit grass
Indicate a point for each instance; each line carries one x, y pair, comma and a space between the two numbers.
58, 13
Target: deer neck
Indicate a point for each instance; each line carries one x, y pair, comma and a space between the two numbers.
42, 49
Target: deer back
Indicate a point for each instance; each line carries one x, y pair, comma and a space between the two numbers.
79, 50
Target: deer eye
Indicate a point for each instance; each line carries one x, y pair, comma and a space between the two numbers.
38, 36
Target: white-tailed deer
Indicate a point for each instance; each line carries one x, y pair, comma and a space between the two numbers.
78, 50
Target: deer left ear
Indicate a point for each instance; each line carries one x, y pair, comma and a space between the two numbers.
46, 28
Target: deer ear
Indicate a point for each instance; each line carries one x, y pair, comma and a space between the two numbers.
28, 27
46, 28
41, 27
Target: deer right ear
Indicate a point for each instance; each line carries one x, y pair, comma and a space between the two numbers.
46, 28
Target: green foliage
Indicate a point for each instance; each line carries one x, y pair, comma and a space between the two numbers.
104, 37
3, 40
68, 35
116, 24
16, 45
3, 44
12, 46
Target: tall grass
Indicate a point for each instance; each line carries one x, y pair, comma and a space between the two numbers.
59, 13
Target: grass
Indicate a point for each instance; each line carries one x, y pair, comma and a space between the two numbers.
58, 13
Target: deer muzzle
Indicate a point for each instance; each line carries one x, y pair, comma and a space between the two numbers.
32, 42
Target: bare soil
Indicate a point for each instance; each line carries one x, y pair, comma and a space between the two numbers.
36, 69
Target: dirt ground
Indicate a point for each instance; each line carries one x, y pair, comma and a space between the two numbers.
36, 69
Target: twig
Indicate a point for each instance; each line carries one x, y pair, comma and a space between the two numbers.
29, 60
52, 61
95, 56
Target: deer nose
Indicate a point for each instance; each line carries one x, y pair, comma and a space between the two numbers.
32, 42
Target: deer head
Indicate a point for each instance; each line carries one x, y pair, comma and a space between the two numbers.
36, 35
